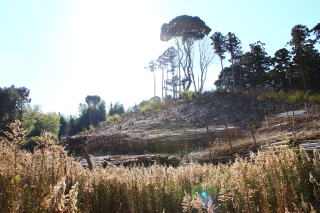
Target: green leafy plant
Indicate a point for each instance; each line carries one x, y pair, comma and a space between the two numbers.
114, 118
187, 95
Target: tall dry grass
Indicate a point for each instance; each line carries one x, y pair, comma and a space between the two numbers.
48, 180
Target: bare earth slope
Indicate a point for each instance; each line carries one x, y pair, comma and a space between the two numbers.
177, 125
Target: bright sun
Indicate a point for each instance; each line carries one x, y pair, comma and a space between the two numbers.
111, 42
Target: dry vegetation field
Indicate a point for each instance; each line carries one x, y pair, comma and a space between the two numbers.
48, 180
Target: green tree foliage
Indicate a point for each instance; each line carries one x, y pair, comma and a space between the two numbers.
316, 31
167, 62
299, 40
282, 73
306, 59
34, 122
117, 108
13, 103
233, 46
219, 46
74, 126
64, 126
185, 31
92, 102
225, 79
90, 113
255, 65
288, 70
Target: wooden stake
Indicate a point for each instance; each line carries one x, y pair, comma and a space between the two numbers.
252, 133
227, 132
306, 108
86, 155
186, 147
293, 125
267, 121
209, 142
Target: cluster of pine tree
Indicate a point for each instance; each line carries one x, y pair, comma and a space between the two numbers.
294, 69
91, 114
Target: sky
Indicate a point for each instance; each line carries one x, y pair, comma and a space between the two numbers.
64, 50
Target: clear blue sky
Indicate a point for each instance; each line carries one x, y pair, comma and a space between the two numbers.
63, 50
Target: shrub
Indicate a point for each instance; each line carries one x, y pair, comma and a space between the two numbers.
187, 95
35, 121
154, 104
114, 118
315, 98
88, 131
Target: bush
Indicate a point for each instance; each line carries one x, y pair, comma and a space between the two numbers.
154, 104
315, 99
35, 121
114, 118
187, 95
298, 97
88, 131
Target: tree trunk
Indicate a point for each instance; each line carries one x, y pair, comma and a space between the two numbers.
302, 73
162, 83
179, 80
154, 84
194, 83
233, 76
166, 83
221, 64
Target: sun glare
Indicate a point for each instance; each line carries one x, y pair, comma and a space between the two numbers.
112, 40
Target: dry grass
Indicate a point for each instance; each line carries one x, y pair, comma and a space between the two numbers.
306, 128
50, 181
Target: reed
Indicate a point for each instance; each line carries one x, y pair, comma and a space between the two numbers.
48, 180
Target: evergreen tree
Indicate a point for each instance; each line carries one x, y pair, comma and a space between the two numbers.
299, 38
13, 103
116, 109
185, 31
64, 127
233, 46
219, 45
281, 75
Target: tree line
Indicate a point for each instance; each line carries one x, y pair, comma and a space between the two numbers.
295, 69
185, 65
15, 105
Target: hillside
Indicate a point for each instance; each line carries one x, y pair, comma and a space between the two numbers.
271, 167
180, 127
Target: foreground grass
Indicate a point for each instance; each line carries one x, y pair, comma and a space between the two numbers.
47, 180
